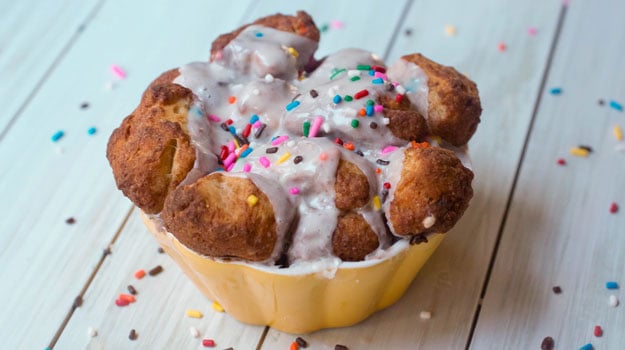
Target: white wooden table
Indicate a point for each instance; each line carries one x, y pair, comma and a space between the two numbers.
532, 225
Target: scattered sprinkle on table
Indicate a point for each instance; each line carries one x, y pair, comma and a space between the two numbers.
92, 332
616, 106
92, 130
547, 344
408, 31
301, 342
561, 161
139, 274
601, 102
618, 133
217, 307
336, 24
131, 289
160, 250
557, 289
84, 105
502, 47
194, 313
555, 91
156, 270
70, 221
208, 343
425, 315
532, 31
118, 71
57, 136
133, 334
597, 331
586, 347
450, 30
579, 152
614, 209
613, 301
195, 333
611, 285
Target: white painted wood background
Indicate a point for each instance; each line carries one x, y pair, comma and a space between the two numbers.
532, 224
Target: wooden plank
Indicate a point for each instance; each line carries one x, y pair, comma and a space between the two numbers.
449, 285
44, 262
32, 36
158, 315
560, 231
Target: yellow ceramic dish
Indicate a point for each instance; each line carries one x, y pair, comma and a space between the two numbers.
297, 302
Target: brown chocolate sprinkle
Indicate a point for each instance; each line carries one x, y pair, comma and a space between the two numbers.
224, 126
160, 250
418, 239
301, 342
359, 152
230, 348
155, 271
389, 86
260, 130
295, 98
373, 125
298, 159
271, 150
408, 32
70, 221
241, 140
77, 302
557, 289
106, 251
133, 334
587, 148
314, 93
383, 162
384, 194
547, 344
131, 289
601, 102
340, 347
84, 105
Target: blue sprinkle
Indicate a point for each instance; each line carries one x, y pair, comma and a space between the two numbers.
259, 34
233, 131
246, 152
556, 91
219, 169
616, 105
57, 136
92, 130
372, 72
611, 285
377, 81
292, 105
253, 119
586, 347
336, 99
369, 111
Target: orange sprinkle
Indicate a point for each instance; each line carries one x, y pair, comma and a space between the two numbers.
423, 144
241, 150
140, 274
294, 346
232, 99
378, 170
349, 146
127, 297
323, 156
362, 112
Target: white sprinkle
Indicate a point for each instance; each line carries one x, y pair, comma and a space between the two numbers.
326, 128
194, 332
425, 315
353, 73
256, 92
290, 143
268, 78
386, 121
92, 332
400, 89
613, 301
429, 221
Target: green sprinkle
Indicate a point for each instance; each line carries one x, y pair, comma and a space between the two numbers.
370, 103
348, 98
363, 67
355, 123
336, 72
306, 128
324, 28
355, 78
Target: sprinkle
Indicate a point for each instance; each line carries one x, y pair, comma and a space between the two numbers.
232, 130
313, 93
232, 99
268, 78
598, 332
349, 146
247, 167
92, 130
338, 141
353, 73
253, 119
336, 72
131, 289
213, 118
257, 124
279, 140
208, 343
555, 91
611, 285
127, 297
247, 130
379, 69
323, 156
260, 130
378, 171
348, 98
355, 123
217, 307
140, 274
84, 105
301, 342
77, 302
298, 159
382, 162
340, 347
336, 24
292, 52
369, 111
194, 332
377, 204
363, 67
156, 270
613, 300
579, 152
377, 81
425, 315
388, 149
355, 78
224, 126
450, 30
306, 128
501, 47
160, 250
258, 34
57, 136
271, 150
360, 94
314, 129
264, 161
532, 31
121, 303
294, 190
601, 102
399, 98
292, 105
547, 344
283, 158
251, 200
70, 221
92, 332
362, 112
133, 335
615, 105
230, 159
587, 347
247, 152
387, 185
557, 289
194, 313
407, 32
429, 221
294, 346
118, 72
400, 89
373, 125
613, 210
618, 132
561, 161
337, 99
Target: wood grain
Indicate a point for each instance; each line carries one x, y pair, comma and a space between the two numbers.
560, 230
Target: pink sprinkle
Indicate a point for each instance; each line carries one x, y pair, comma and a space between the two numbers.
229, 160
561, 161
231, 146
532, 31
214, 118
378, 108
264, 161
613, 208
502, 47
314, 129
118, 71
336, 24
121, 302
230, 167
257, 124
388, 149
247, 167
380, 75
566, 2
294, 190
279, 140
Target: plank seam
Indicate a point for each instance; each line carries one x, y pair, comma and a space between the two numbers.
400, 23
66, 48
541, 90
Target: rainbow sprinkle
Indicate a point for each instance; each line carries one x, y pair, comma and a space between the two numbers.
315, 126
292, 105
615, 105
251, 200
264, 161
57, 136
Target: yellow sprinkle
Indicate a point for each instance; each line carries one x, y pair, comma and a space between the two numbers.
217, 307
450, 30
252, 200
376, 203
293, 52
618, 133
194, 313
284, 157
236, 143
580, 152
